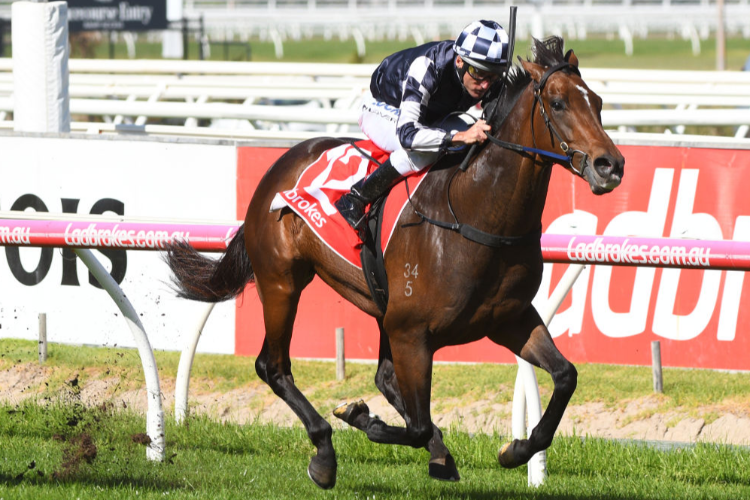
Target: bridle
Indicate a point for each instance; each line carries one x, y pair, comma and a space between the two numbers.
569, 155
538, 87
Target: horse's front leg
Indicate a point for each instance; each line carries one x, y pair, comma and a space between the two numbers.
530, 339
442, 465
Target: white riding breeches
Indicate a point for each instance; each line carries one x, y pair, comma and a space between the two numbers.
378, 122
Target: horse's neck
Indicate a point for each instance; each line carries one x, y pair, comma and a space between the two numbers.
504, 191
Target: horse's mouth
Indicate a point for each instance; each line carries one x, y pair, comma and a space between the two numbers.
601, 184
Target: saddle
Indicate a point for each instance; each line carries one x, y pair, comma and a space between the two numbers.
323, 182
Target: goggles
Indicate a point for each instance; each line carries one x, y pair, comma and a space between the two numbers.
482, 76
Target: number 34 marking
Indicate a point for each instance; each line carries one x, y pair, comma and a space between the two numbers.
410, 271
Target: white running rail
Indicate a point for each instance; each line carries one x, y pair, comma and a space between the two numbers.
249, 100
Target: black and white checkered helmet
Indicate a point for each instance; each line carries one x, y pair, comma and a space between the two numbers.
484, 45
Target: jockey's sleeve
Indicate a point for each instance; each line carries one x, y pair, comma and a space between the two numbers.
420, 84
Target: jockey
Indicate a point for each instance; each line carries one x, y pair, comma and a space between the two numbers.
417, 87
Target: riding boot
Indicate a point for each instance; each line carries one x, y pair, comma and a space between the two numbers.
352, 204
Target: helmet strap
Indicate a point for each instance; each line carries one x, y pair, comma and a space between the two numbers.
461, 71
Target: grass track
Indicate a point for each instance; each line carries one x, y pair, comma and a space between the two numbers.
212, 460
452, 384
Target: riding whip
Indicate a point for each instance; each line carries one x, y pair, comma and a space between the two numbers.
508, 65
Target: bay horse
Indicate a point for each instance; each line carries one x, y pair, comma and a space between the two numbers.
470, 280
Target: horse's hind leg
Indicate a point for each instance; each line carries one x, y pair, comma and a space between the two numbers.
441, 466
412, 365
275, 368
531, 340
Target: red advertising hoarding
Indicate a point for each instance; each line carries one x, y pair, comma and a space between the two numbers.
613, 313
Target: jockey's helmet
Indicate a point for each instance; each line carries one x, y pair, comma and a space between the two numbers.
484, 45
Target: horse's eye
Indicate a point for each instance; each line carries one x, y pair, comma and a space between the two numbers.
557, 105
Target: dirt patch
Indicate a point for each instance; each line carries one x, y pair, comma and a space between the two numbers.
23, 381
141, 438
642, 418
78, 449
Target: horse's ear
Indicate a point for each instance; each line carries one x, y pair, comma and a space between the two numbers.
535, 70
571, 58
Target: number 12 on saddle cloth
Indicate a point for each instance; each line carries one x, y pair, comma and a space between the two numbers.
326, 180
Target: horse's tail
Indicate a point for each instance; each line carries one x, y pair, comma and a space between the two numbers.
197, 277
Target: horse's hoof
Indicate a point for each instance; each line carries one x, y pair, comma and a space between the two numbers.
349, 412
506, 456
321, 474
444, 469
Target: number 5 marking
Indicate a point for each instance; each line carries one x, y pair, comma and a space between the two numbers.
410, 271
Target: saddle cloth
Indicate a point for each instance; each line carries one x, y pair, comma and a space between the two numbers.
324, 181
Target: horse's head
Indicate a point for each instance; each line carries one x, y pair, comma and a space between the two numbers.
566, 116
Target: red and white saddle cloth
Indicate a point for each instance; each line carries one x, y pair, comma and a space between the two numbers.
326, 180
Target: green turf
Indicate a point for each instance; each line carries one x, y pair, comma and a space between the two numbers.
44, 451
654, 52
67, 451
615, 386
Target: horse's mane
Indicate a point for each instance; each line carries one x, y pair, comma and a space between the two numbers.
547, 52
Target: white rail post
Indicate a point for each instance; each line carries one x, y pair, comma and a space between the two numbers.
526, 395
40, 69
340, 360
526, 399
172, 47
155, 415
656, 366
42, 338
182, 384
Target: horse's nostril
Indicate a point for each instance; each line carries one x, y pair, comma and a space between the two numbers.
603, 165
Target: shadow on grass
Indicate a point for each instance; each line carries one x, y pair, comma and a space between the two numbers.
468, 493
10, 480
113, 482
238, 450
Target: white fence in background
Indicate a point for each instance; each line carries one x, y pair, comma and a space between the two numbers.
279, 20
424, 20
298, 101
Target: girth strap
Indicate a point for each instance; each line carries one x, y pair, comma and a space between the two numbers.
493, 240
478, 236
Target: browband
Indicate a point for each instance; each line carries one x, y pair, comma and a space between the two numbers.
553, 69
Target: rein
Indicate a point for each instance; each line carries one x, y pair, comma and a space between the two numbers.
476, 235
